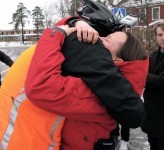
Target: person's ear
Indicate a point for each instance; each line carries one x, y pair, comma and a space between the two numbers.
118, 60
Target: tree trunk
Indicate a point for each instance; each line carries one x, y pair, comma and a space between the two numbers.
22, 35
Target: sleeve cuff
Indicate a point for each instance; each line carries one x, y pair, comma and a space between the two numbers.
71, 22
54, 28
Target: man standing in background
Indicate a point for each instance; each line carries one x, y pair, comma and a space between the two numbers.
154, 94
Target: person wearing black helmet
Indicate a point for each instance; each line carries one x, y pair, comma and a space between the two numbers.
104, 22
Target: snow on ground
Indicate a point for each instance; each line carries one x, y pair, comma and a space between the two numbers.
15, 44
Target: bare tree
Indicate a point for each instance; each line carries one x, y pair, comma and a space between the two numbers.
62, 9
111, 3
55, 11
49, 14
74, 5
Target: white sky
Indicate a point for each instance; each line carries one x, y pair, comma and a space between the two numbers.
8, 7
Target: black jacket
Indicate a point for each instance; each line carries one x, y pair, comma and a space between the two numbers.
154, 97
5, 59
93, 63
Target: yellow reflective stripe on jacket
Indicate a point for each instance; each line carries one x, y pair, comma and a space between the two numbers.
52, 132
13, 116
21, 120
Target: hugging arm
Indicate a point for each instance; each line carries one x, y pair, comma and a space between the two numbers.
49, 90
93, 63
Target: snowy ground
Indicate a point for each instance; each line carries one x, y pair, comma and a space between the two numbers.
12, 49
138, 139
15, 44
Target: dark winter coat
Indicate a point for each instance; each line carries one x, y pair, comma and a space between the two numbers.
154, 97
5, 59
103, 77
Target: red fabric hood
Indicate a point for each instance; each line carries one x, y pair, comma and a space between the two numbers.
135, 72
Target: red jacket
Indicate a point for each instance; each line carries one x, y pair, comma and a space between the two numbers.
87, 120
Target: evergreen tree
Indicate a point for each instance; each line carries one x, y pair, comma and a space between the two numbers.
38, 20
19, 18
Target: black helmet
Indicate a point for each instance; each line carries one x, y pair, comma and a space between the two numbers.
100, 17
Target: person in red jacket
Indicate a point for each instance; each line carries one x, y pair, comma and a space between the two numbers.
65, 95
80, 131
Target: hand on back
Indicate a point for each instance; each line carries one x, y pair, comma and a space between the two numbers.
86, 33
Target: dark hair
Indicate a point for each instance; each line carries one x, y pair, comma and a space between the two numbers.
132, 49
161, 25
